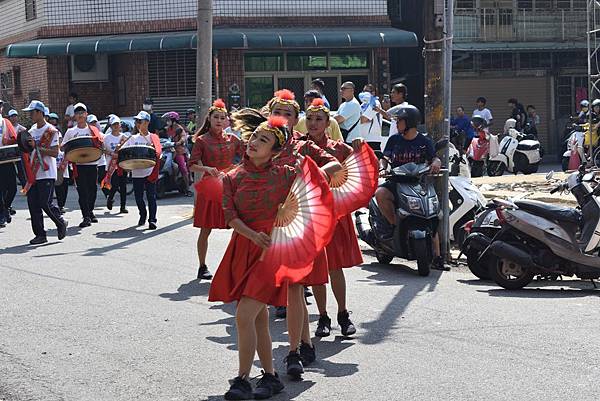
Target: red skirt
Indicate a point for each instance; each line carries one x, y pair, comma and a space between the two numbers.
242, 274
320, 271
343, 250
208, 214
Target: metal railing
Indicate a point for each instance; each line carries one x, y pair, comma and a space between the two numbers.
497, 25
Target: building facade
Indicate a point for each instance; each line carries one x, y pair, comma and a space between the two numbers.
114, 53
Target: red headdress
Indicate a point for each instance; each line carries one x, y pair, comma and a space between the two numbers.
277, 126
285, 96
318, 105
218, 105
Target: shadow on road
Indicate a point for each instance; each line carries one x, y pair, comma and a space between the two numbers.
185, 292
544, 292
291, 392
411, 285
21, 249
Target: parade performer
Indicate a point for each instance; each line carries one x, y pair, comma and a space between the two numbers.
93, 120
85, 174
144, 179
213, 153
178, 135
8, 174
61, 185
284, 105
343, 251
115, 178
40, 169
254, 193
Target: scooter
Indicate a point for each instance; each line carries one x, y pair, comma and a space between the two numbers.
538, 239
170, 177
465, 198
416, 216
517, 152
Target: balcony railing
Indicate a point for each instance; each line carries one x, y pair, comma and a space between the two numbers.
505, 25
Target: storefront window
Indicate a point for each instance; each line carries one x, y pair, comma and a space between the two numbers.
263, 62
349, 61
306, 62
258, 91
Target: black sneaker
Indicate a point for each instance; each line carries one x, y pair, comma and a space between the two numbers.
2, 223
142, 220
280, 312
109, 204
124, 210
62, 210
8, 218
294, 365
347, 326
240, 389
12, 211
307, 353
62, 230
38, 240
438, 264
324, 326
268, 386
85, 223
152, 225
203, 273
93, 218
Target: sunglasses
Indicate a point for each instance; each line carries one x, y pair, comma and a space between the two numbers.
79, 112
342, 88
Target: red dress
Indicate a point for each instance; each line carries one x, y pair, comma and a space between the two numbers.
320, 272
216, 151
253, 195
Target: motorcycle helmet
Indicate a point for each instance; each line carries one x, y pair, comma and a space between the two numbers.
510, 123
171, 115
478, 122
584, 104
595, 103
410, 114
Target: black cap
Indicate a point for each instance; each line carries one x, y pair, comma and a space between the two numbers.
189, 111
148, 100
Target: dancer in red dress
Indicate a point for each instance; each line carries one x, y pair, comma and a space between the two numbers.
343, 251
213, 153
251, 195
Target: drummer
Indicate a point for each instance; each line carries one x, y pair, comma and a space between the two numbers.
85, 174
118, 178
61, 186
144, 179
13, 116
8, 176
93, 120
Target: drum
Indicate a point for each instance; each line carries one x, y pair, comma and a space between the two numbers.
136, 157
9, 154
82, 149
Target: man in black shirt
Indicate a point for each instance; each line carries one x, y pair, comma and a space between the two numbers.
518, 113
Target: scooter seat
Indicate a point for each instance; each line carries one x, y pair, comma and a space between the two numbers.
528, 145
551, 212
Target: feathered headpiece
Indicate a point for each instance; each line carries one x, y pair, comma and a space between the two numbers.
218, 105
277, 126
318, 105
287, 97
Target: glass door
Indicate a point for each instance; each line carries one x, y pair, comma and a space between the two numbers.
295, 84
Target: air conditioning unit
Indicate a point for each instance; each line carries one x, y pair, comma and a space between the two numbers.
89, 68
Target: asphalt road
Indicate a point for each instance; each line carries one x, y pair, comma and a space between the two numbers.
114, 313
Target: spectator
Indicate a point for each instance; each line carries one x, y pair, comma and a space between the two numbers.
518, 113
191, 126
156, 123
348, 115
533, 119
370, 120
398, 96
482, 111
69, 118
333, 131
319, 85
462, 123
13, 117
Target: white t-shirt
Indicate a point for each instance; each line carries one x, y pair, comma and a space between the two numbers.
110, 144
393, 126
76, 132
36, 134
486, 114
351, 111
370, 131
139, 139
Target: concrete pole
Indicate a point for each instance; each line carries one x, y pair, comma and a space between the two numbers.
204, 60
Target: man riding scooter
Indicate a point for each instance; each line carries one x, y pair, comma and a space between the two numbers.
409, 146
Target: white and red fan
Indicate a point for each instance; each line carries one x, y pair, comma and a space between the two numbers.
304, 225
355, 184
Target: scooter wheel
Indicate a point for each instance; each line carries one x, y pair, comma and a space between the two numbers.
424, 257
510, 275
383, 258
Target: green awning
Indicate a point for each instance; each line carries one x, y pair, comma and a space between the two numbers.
223, 38
517, 46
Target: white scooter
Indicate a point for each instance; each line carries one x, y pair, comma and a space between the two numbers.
465, 198
515, 153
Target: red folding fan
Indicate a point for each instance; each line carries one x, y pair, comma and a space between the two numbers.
355, 184
303, 226
210, 187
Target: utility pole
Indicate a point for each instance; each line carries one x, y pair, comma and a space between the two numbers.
204, 60
437, 38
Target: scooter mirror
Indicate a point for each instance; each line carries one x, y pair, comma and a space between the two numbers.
549, 175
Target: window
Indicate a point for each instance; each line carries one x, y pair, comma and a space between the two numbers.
349, 61
496, 61
534, 61
462, 62
571, 60
263, 62
30, 10
301, 62
172, 73
568, 90
525, 4
16, 72
465, 4
258, 91
6, 81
